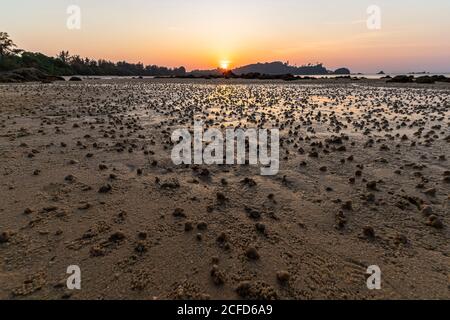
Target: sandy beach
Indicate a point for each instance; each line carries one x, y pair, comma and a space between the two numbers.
88, 180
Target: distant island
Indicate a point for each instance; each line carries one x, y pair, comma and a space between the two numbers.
275, 68
278, 67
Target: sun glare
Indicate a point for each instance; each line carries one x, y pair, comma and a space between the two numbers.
224, 64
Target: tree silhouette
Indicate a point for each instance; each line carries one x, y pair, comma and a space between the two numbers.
7, 46
63, 63
64, 56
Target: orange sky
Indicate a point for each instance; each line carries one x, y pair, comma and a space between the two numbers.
199, 34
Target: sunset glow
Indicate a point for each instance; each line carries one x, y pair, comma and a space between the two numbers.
224, 64
413, 35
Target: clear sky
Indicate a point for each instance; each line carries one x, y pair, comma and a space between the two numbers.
414, 34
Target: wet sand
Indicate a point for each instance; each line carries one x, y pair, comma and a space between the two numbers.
87, 180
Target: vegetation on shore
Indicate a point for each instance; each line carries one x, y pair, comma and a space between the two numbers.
278, 67
64, 64
422, 79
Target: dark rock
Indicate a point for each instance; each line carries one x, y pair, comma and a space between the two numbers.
435, 222
117, 236
369, 232
105, 189
217, 275
5, 236
283, 276
202, 225
188, 226
179, 212
252, 253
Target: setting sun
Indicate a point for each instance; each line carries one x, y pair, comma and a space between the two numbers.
224, 64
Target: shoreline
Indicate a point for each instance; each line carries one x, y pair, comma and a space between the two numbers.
318, 81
